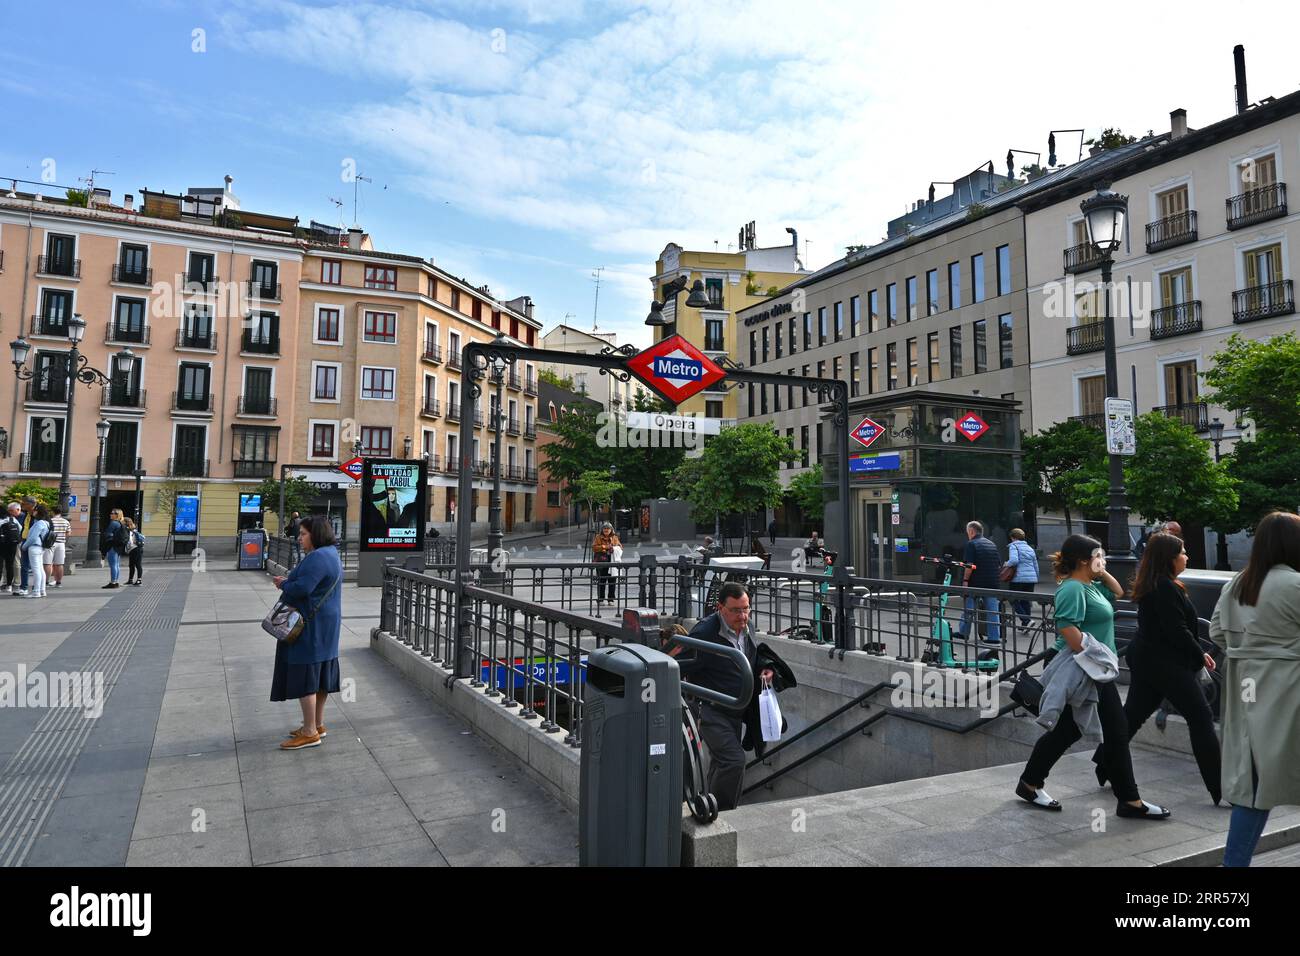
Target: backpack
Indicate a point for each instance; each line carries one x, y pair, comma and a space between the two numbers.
49, 537
11, 531
122, 539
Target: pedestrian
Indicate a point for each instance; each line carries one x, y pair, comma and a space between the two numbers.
722, 729
1085, 615
28, 506
134, 553
757, 550
814, 547
1166, 658
55, 556
112, 545
11, 536
1174, 528
308, 669
40, 537
1023, 564
292, 528
981, 555
1257, 620
706, 549
771, 531
602, 552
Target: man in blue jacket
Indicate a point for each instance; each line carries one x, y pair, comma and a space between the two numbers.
983, 554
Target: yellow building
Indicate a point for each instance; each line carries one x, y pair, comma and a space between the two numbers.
732, 281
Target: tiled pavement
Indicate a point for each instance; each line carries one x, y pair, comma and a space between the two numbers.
183, 766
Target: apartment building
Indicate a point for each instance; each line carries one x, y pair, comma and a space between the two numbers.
612, 394
733, 281
554, 505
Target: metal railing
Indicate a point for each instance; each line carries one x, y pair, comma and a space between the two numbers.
1082, 258
530, 385
1177, 319
1092, 420
432, 352
257, 289
530, 429
286, 552
254, 469
201, 281
1263, 302
182, 402
116, 333
1194, 414
430, 408
1087, 337
191, 340
512, 426
1171, 231
54, 390
1256, 205
453, 411
122, 464
28, 463
67, 268
188, 467
48, 325
260, 345
514, 380
259, 405
132, 276
453, 358
115, 396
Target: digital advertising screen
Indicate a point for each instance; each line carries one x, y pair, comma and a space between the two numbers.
250, 504
393, 505
187, 514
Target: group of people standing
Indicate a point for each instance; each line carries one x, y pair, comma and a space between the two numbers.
33, 548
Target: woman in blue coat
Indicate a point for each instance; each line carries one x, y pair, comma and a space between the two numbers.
308, 669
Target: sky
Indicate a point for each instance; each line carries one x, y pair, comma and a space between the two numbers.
527, 143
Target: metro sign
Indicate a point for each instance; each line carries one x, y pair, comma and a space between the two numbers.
972, 426
675, 369
352, 468
868, 431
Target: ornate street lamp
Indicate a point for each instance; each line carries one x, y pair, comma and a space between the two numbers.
1221, 546
93, 557
698, 299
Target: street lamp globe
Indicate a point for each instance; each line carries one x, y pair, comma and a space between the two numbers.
123, 363
1216, 431
76, 329
1104, 214
698, 299
656, 315
101, 430
20, 347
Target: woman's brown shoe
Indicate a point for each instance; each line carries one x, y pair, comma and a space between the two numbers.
320, 732
300, 741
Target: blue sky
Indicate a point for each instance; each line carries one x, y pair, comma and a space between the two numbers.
523, 143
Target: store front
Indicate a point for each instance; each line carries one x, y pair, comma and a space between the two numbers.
935, 461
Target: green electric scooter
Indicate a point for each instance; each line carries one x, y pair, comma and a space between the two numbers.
941, 631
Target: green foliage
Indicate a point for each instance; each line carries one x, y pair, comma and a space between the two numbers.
737, 473
807, 491
1060, 464
552, 377
854, 249
297, 495
575, 449
1110, 138
20, 489
78, 197
1174, 476
596, 488
975, 211
1268, 474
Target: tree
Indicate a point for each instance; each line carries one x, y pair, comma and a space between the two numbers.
596, 488
575, 449
552, 377
297, 495
78, 197
738, 472
1061, 465
1173, 475
644, 471
807, 491
1110, 138
21, 489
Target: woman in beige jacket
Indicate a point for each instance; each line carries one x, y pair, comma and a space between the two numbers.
1257, 620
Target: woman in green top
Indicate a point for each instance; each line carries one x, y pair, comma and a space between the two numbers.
1085, 603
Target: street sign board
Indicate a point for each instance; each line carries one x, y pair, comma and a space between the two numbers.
859, 464
675, 369
1120, 436
675, 424
868, 431
972, 426
72, 501
352, 468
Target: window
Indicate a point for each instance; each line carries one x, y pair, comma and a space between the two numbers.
932, 292
1180, 383
51, 381
873, 370
327, 325
855, 316
807, 331
1258, 173
793, 329
381, 327
331, 272
911, 299
455, 299
129, 326
932, 353
753, 348
803, 444
821, 369
376, 442
954, 285
836, 367
262, 334
1172, 202
257, 391
381, 277
762, 399
552, 499
377, 383
45, 445
776, 328
1080, 230
954, 352
891, 352
891, 304
59, 255
839, 321
981, 347
804, 400
713, 336
121, 446
265, 277
713, 289
202, 268
873, 311
1006, 357
712, 408
325, 383
125, 389
428, 443
254, 451
1092, 395
766, 343
751, 403
821, 325
913, 373
789, 437
190, 443
1263, 266
977, 277
789, 392
196, 332
855, 361
1004, 270
821, 442
56, 309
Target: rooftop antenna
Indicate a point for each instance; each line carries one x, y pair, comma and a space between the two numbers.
90, 181
338, 203
356, 181
596, 275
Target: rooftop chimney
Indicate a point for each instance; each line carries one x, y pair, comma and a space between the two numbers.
1239, 64
354, 237
128, 202
1178, 124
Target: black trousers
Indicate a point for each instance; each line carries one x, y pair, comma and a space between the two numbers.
1115, 755
605, 583
1154, 679
721, 732
9, 565
136, 568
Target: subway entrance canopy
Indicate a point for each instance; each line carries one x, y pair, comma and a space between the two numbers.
675, 369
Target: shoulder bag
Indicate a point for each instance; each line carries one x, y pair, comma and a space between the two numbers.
285, 624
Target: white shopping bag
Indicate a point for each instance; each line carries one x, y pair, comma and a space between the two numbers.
616, 555
769, 714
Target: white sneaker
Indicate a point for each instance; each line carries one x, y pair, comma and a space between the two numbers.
21, 592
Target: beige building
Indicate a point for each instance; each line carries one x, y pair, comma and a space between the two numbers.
612, 394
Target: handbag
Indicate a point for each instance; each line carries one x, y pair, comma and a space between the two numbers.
1027, 692
1007, 573
769, 714
285, 623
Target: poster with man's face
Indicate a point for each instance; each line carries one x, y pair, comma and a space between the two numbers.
393, 505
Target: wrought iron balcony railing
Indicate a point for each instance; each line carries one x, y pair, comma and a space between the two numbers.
261, 345
1092, 419
189, 402
1180, 319
453, 358
51, 266
129, 275
41, 462
127, 334
432, 352
53, 390
1257, 205
1082, 258
1263, 302
1195, 414
49, 325
186, 467
1089, 337
431, 408
254, 469
116, 396
256, 405
189, 339
1171, 231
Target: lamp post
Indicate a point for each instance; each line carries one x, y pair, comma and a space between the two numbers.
93, 558
495, 535
698, 299
1105, 214
1221, 546
139, 493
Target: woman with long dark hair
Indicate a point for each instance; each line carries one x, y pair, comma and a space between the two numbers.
1085, 604
1257, 620
1166, 657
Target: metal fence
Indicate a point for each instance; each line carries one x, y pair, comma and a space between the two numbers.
286, 552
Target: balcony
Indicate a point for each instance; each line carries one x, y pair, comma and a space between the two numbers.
453, 358
54, 326
256, 405
1263, 302
478, 419
1180, 319
514, 380
260, 344
266, 291
492, 420
512, 426
198, 282
1089, 337
189, 402
432, 353
482, 468
1082, 258
187, 467
190, 339
130, 275
514, 473
53, 391
453, 411
530, 429
1193, 414
530, 475
453, 465
115, 396
1257, 205
61, 268
40, 462
116, 334
431, 408
714, 344
1092, 420
121, 464
530, 385
254, 469
1171, 231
